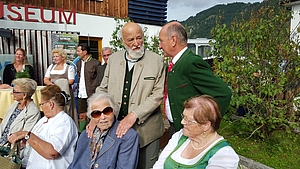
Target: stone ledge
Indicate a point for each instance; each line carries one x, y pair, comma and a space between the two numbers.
247, 163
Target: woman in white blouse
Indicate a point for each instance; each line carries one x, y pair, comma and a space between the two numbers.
51, 142
63, 75
59, 69
198, 145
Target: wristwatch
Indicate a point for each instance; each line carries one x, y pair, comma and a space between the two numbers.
27, 136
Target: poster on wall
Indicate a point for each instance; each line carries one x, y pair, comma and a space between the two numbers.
68, 42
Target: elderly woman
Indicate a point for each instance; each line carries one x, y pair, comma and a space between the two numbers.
20, 64
23, 114
104, 149
198, 144
63, 75
51, 142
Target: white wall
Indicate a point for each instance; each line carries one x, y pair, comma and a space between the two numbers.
295, 20
86, 25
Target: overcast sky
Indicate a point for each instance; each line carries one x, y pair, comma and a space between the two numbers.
182, 9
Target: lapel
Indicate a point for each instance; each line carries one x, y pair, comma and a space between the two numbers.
181, 59
119, 71
137, 71
177, 65
107, 144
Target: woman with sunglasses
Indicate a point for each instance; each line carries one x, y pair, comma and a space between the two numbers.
198, 145
104, 149
51, 142
23, 114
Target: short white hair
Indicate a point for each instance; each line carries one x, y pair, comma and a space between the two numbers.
101, 96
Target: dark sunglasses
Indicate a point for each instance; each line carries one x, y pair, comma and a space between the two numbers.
14, 92
97, 113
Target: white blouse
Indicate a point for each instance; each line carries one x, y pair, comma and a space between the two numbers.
225, 158
61, 132
71, 71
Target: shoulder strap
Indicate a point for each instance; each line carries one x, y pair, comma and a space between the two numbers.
52, 66
213, 150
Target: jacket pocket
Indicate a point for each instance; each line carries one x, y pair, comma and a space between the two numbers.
149, 78
181, 86
92, 74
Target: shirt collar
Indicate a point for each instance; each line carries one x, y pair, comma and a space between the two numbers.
178, 55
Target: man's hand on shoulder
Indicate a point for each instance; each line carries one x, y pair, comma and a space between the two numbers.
126, 124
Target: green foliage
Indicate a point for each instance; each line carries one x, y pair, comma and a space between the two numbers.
150, 43
278, 151
24, 74
259, 61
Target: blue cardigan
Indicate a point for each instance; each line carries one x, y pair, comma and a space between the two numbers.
115, 152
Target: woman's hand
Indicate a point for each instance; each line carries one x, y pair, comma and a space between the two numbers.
14, 137
47, 81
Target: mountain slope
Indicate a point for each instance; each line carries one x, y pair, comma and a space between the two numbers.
199, 26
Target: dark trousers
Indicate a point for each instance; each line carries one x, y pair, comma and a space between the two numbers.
171, 130
148, 155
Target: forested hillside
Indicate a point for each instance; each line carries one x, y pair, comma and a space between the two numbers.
199, 26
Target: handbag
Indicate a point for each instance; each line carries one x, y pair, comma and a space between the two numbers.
10, 158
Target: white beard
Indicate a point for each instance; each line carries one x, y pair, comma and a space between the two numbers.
135, 55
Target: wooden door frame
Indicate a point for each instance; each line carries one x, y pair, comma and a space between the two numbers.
99, 44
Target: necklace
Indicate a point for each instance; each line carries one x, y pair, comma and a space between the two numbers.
204, 145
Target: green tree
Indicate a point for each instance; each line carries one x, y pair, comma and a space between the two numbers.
150, 43
260, 62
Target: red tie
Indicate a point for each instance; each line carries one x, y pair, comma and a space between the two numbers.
166, 88
170, 66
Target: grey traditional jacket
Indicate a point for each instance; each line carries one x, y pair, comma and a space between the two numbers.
146, 91
25, 121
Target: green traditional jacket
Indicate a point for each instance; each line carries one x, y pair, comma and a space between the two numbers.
192, 76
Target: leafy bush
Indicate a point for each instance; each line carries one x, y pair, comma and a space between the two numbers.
259, 61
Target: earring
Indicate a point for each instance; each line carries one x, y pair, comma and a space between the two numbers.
204, 132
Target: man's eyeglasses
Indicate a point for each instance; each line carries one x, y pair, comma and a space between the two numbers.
188, 121
97, 113
106, 55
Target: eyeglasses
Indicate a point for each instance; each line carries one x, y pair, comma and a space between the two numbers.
188, 122
97, 113
14, 92
41, 104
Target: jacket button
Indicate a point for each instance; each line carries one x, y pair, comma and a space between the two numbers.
96, 165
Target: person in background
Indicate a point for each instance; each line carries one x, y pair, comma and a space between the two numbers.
4, 86
188, 75
88, 81
198, 145
104, 149
20, 64
106, 52
135, 79
23, 114
51, 142
63, 75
